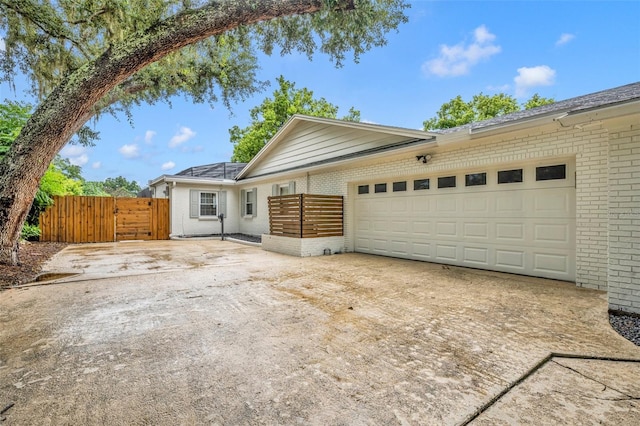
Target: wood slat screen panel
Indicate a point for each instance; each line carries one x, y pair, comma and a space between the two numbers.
306, 215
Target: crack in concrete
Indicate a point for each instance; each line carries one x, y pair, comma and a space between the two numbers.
628, 397
550, 357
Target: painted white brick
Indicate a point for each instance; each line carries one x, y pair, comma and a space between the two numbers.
624, 220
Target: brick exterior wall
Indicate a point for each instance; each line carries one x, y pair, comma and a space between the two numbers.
589, 147
624, 220
302, 247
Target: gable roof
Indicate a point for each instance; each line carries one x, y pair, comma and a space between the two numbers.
605, 98
305, 141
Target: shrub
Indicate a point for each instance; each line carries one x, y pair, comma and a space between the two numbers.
30, 232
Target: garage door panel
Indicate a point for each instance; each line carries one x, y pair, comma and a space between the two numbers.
546, 262
478, 256
525, 228
446, 252
552, 233
420, 204
447, 229
421, 250
509, 203
421, 228
399, 248
398, 206
553, 203
476, 230
475, 205
379, 246
399, 226
446, 204
510, 259
510, 233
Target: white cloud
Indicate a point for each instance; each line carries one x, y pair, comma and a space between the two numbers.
80, 160
73, 150
565, 38
76, 154
2, 45
96, 165
129, 151
148, 136
527, 78
183, 135
458, 60
168, 165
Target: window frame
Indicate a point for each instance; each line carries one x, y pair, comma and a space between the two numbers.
249, 203
379, 188
213, 204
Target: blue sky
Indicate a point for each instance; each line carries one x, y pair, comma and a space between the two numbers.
559, 49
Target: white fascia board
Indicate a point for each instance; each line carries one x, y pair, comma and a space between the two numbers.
587, 116
297, 118
192, 180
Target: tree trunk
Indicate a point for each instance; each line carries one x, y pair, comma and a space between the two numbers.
71, 104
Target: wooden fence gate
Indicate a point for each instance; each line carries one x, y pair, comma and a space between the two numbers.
79, 219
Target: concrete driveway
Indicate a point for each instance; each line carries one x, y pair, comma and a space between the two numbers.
211, 332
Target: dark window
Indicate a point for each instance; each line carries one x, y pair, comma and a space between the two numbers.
447, 182
510, 176
380, 187
363, 189
420, 184
475, 179
399, 186
551, 172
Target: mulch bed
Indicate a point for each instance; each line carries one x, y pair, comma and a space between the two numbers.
31, 256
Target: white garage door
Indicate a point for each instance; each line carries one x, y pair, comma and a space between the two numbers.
518, 219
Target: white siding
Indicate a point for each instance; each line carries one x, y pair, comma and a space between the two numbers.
312, 142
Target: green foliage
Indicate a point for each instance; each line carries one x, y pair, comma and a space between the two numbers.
13, 116
121, 187
95, 189
50, 40
54, 182
30, 232
66, 168
536, 101
457, 112
272, 113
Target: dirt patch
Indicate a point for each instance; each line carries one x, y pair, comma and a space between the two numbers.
32, 255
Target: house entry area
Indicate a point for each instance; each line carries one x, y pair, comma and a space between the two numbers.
518, 218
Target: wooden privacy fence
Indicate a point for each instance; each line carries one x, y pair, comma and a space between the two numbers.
306, 215
78, 219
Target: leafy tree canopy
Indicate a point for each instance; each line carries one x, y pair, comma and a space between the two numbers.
457, 112
272, 113
13, 116
86, 57
48, 41
121, 187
